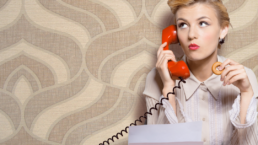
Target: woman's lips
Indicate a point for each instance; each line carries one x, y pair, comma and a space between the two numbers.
193, 46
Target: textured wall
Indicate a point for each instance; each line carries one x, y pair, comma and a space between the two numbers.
73, 71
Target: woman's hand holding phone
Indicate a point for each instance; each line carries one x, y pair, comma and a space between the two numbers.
163, 56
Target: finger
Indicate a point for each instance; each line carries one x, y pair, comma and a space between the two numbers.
160, 60
170, 58
231, 74
164, 60
165, 52
168, 53
160, 51
161, 48
228, 69
236, 78
227, 62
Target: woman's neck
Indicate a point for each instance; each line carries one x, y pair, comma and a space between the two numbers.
202, 69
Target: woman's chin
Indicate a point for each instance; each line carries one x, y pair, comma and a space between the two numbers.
193, 56
198, 56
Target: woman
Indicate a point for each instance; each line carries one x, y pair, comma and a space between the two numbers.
225, 103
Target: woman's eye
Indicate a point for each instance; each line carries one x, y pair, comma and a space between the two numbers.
182, 25
203, 24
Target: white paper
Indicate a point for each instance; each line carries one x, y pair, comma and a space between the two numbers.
166, 134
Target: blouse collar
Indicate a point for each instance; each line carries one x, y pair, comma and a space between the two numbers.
213, 83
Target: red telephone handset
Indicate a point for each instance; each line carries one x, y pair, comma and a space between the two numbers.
178, 69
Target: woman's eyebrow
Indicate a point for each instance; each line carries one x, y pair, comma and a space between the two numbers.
203, 17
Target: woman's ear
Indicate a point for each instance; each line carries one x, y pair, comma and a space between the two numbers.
224, 32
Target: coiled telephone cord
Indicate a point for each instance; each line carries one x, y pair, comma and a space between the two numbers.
145, 114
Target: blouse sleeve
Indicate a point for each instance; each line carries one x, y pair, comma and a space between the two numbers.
246, 136
158, 116
165, 113
251, 116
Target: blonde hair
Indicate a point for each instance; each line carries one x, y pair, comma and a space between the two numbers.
221, 10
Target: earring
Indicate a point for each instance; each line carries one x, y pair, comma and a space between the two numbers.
179, 44
221, 41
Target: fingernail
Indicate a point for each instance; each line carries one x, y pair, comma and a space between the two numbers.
220, 68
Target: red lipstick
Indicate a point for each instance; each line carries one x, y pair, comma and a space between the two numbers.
193, 46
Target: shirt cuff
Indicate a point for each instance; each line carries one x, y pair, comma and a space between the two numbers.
170, 113
251, 114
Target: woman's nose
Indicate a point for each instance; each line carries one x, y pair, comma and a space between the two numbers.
192, 33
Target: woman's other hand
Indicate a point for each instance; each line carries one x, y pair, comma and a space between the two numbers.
235, 74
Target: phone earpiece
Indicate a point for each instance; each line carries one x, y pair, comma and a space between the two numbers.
169, 35
178, 69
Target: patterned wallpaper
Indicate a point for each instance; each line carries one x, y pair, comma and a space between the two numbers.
73, 71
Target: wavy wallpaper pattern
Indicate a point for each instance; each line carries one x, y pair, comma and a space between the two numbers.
73, 71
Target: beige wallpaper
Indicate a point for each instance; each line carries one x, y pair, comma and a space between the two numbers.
73, 71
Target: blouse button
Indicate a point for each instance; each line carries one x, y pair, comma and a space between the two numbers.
203, 87
203, 119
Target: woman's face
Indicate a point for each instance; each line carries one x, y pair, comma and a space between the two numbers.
198, 24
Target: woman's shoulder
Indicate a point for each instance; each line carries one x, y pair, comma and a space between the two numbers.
153, 85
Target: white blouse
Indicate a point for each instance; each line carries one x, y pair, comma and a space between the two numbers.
216, 105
